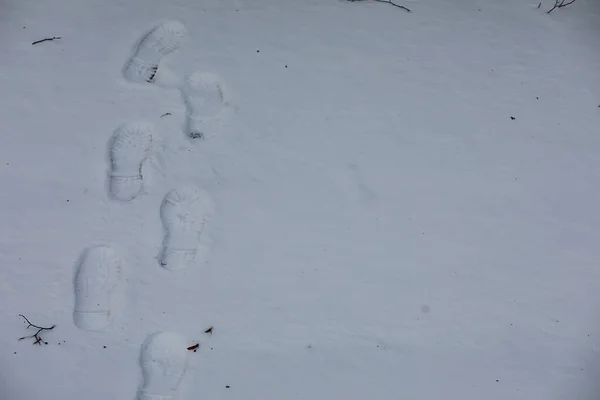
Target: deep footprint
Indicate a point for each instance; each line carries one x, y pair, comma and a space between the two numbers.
206, 104
184, 213
97, 276
129, 147
163, 361
160, 42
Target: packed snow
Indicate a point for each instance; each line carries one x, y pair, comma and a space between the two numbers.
332, 199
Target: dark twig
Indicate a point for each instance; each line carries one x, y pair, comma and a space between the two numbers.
388, 2
165, 114
563, 4
194, 347
36, 336
560, 4
555, 5
394, 4
47, 39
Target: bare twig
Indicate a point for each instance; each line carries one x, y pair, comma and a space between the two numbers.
47, 39
563, 4
388, 2
555, 5
560, 4
394, 4
209, 330
165, 114
36, 336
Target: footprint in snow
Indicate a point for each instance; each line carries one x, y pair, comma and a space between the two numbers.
207, 104
146, 63
98, 274
130, 146
164, 362
185, 212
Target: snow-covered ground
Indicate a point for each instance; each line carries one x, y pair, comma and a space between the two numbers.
383, 229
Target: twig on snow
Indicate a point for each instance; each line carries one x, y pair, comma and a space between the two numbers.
391, 3
47, 39
165, 114
36, 336
560, 4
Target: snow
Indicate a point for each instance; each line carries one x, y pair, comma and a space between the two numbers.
382, 229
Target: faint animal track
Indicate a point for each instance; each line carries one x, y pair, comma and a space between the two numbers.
97, 275
184, 213
163, 360
129, 147
161, 41
207, 104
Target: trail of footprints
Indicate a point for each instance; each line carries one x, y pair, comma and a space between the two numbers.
185, 211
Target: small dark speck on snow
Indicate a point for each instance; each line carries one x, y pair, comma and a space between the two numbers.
103, 347
227, 386
513, 118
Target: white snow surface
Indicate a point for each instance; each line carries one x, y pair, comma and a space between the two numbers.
382, 228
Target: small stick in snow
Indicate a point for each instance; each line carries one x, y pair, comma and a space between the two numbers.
194, 347
394, 4
165, 114
560, 4
36, 336
47, 39
388, 2
209, 330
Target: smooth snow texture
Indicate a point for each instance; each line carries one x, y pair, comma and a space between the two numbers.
158, 43
164, 362
96, 278
130, 146
207, 104
185, 212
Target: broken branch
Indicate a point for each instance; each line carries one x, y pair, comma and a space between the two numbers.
36, 336
388, 2
560, 4
47, 39
394, 4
